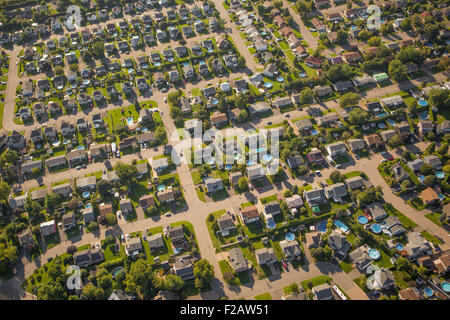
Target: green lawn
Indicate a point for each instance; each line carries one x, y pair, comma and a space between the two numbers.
428, 236
407, 223
110, 253
316, 281
264, 296
434, 216
240, 278
346, 267
268, 199
52, 240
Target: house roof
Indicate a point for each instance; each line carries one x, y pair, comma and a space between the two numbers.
250, 212
429, 195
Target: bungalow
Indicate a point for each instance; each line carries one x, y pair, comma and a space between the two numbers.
48, 228
351, 57
295, 161
68, 220
417, 246
265, 256
26, 239
98, 150
57, 161
399, 173
111, 177
88, 257
336, 148
237, 260
133, 247
130, 142
433, 161
213, 185
259, 107
16, 141
28, 166
226, 224
323, 90
255, 172
315, 155
294, 203
342, 85
219, 119
415, 164
393, 101
63, 190
313, 62
387, 135
38, 195
126, 206
36, 136
377, 211
315, 196
156, 241
86, 183
354, 183
270, 70
334, 16
147, 201
76, 156
382, 279
283, 102
176, 235
328, 119
360, 258
317, 24
166, 196
18, 202
249, 214
290, 249
183, 268
322, 292
148, 137
429, 196
159, 165
336, 192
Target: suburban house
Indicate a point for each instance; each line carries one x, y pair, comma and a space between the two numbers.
133, 247
339, 244
156, 241
255, 172
336, 148
86, 183
146, 201
377, 211
322, 292
265, 256
360, 258
226, 224
249, 214
315, 155
213, 185
433, 161
291, 249
354, 183
382, 279
294, 203
183, 267
126, 206
88, 257
336, 191
315, 196
237, 260
26, 239
48, 228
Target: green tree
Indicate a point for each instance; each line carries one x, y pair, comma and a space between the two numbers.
426, 169
11, 156
203, 273
340, 71
349, 99
335, 176
103, 187
242, 116
374, 41
439, 97
152, 211
306, 96
357, 116
173, 282
243, 183
241, 62
407, 54
139, 280
342, 36
125, 172
98, 49
397, 70
5, 190
395, 141
111, 218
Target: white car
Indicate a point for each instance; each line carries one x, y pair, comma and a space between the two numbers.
127, 236
165, 99
78, 168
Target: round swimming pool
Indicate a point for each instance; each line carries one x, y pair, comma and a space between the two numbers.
363, 219
314, 132
422, 102
290, 236
250, 163
280, 79
446, 286
267, 157
399, 247
80, 148
268, 85
88, 205
375, 228
374, 254
271, 225
302, 74
428, 292
215, 101
86, 194
440, 175
176, 250
161, 187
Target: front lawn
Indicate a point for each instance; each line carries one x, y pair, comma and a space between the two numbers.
428, 236
264, 296
315, 282
434, 216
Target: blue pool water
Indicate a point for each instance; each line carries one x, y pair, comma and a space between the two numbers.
314, 132
341, 225
86, 82
381, 115
144, 130
363, 219
130, 70
86, 194
381, 125
280, 79
302, 74
399, 247
215, 101
80, 148
202, 62
421, 177
88, 205
176, 250
322, 226
263, 33
428, 292
375, 228
271, 224
391, 122
185, 63
228, 166
157, 64
129, 121
441, 196
161, 187
250, 163
290, 236
374, 254
268, 85
440, 175
446, 286
267, 157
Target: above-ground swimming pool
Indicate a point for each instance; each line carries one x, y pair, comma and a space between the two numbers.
86, 194
421, 177
129, 121
445, 286
374, 254
176, 250
381, 115
290, 236
314, 132
215, 101
268, 85
428, 292
422, 102
363, 219
80, 148
391, 122
161, 187
440, 175
271, 224
399, 247
341, 225
375, 228
381, 125
280, 79
302, 74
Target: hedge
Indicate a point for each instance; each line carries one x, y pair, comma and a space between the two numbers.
412, 175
